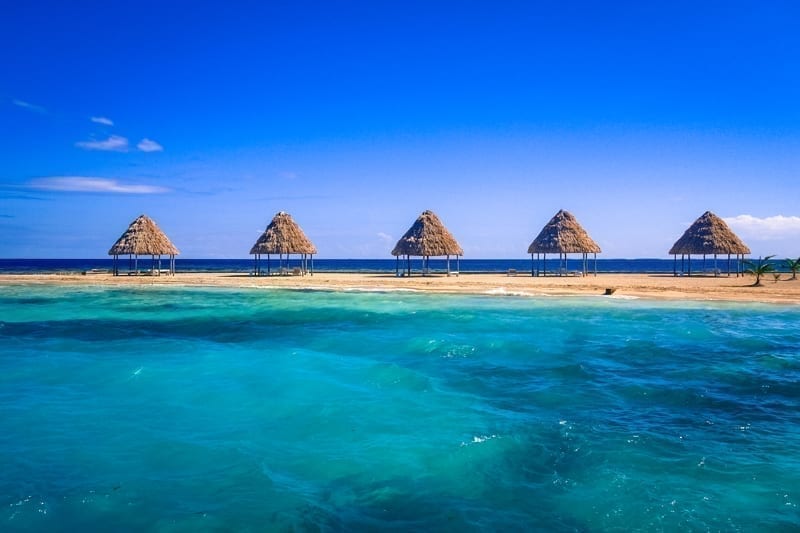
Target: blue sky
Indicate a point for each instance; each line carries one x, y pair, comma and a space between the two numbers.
356, 116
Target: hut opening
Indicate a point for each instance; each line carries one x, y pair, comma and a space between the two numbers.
283, 237
562, 235
426, 238
709, 235
144, 237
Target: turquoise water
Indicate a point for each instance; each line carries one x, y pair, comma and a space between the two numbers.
255, 410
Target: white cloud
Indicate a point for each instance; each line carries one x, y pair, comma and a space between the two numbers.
29, 106
102, 120
87, 184
768, 228
115, 143
146, 145
287, 175
384, 236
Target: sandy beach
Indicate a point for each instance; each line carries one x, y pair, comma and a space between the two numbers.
654, 286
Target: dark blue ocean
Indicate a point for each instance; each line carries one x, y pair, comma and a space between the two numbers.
360, 265
197, 409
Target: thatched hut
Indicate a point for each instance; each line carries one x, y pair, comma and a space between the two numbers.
144, 237
427, 238
284, 236
708, 235
562, 235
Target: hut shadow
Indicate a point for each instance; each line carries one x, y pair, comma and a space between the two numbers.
415, 275
264, 275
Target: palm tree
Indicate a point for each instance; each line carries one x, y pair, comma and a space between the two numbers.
793, 266
759, 268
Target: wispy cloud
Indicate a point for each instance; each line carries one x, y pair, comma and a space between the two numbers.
21, 196
384, 236
768, 228
288, 175
29, 106
88, 184
115, 143
102, 120
147, 145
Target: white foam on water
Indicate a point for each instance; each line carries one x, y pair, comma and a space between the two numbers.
479, 439
502, 291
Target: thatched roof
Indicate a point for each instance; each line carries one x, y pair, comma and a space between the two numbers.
563, 234
427, 237
143, 237
709, 235
283, 236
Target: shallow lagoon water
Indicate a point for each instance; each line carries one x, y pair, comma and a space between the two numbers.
198, 409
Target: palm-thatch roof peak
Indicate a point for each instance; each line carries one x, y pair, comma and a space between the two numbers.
143, 237
709, 234
427, 237
563, 234
283, 236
